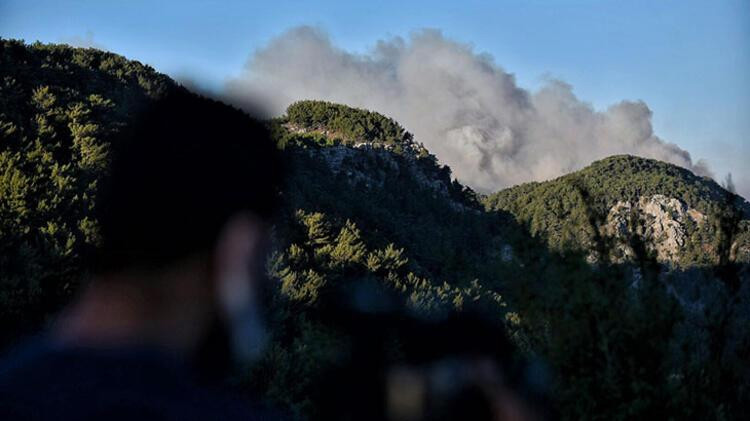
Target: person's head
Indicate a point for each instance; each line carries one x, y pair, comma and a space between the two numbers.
184, 214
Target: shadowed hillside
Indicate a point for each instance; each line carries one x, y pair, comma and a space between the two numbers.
656, 329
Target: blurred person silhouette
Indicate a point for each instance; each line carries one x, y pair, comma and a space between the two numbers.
405, 365
177, 282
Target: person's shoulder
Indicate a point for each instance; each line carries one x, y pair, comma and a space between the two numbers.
30, 355
40, 380
21, 369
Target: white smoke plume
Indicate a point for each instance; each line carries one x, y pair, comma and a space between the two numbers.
465, 108
86, 41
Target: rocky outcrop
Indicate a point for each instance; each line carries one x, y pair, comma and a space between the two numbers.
408, 148
356, 164
660, 222
369, 165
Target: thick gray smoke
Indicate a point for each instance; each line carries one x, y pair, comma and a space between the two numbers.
465, 108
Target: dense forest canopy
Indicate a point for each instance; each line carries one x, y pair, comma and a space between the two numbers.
341, 124
621, 339
570, 211
58, 108
350, 123
625, 177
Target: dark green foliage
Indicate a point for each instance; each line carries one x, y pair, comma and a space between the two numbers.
646, 339
58, 108
568, 212
321, 255
619, 346
63, 105
606, 341
350, 124
625, 177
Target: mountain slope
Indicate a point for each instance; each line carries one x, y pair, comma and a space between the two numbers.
351, 215
58, 108
679, 217
366, 208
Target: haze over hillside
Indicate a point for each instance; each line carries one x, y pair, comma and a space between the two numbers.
462, 105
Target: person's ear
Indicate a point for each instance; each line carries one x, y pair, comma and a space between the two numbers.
236, 262
238, 265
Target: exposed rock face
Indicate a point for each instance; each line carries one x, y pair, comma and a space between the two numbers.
659, 221
407, 147
369, 165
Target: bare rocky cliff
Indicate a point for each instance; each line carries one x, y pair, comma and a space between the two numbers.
661, 223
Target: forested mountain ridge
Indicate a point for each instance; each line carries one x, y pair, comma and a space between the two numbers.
58, 108
62, 106
364, 146
351, 126
681, 218
366, 205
